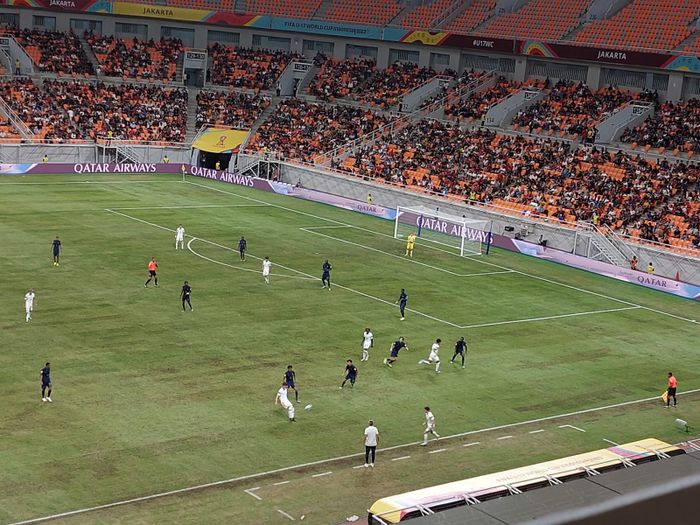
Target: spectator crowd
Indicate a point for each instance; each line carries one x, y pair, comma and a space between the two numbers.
238, 110
53, 51
247, 68
674, 126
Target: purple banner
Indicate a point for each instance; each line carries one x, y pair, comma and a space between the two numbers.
90, 167
239, 180
344, 202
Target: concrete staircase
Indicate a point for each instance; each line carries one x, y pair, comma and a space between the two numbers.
90, 54
455, 10
262, 118
303, 87
191, 114
180, 67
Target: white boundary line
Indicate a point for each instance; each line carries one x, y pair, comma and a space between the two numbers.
611, 442
188, 206
285, 514
251, 492
572, 426
550, 317
310, 230
478, 260
258, 475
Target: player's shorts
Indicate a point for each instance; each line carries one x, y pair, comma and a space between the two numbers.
671, 391
28, 307
366, 346
350, 378
433, 358
45, 383
56, 253
326, 276
394, 354
290, 384
152, 273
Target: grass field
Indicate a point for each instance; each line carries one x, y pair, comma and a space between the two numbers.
149, 399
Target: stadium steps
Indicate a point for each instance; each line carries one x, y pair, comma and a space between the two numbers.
690, 40
90, 55
320, 13
396, 21
449, 17
180, 68
303, 86
269, 110
191, 114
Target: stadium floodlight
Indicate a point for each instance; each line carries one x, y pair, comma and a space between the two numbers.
468, 236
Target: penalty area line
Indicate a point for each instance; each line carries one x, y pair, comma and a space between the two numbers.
259, 475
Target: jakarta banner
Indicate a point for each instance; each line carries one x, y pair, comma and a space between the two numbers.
91, 6
216, 140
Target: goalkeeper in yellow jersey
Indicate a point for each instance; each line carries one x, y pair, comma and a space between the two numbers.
410, 243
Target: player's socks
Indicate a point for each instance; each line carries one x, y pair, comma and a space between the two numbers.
437, 367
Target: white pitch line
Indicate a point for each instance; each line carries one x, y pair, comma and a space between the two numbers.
409, 260
251, 493
612, 442
572, 426
478, 260
401, 458
504, 437
437, 451
550, 317
304, 274
535, 431
285, 514
322, 474
194, 206
472, 444
259, 475
280, 483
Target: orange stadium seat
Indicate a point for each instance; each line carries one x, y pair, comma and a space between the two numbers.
379, 12
474, 15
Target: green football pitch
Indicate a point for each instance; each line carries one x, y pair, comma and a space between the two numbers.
148, 399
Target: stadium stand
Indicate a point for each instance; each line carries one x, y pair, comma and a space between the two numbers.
573, 109
339, 78
297, 9
476, 105
423, 16
475, 14
385, 87
540, 178
7, 130
53, 51
377, 13
247, 68
543, 19
238, 110
304, 130
673, 128
637, 25
67, 111
136, 59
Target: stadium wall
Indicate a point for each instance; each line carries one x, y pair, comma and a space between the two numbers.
669, 74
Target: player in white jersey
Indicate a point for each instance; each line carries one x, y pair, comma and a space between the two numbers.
282, 399
433, 357
180, 237
266, 270
29, 304
367, 343
429, 426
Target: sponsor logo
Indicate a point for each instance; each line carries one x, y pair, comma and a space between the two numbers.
612, 55
484, 43
70, 4
157, 11
449, 228
114, 168
223, 176
652, 281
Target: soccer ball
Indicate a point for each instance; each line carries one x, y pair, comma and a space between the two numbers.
308, 407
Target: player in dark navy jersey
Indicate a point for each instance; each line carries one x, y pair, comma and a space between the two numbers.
290, 377
326, 276
350, 373
242, 246
46, 383
185, 296
403, 299
396, 347
56, 250
461, 350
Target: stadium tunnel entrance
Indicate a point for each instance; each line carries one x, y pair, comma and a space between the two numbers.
217, 148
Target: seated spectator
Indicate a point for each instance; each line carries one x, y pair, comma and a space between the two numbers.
674, 126
303, 130
385, 88
238, 110
137, 59
247, 68
53, 51
340, 78
476, 105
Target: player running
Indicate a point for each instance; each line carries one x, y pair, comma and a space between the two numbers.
185, 296
403, 299
461, 350
290, 377
29, 304
282, 399
180, 237
396, 347
367, 343
433, 357
350, 374
46, 383
266, 270
410, 244
429, 426
56, 250
326, 277
242, 247
152, 267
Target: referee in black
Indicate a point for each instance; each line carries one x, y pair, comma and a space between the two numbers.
185, 296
